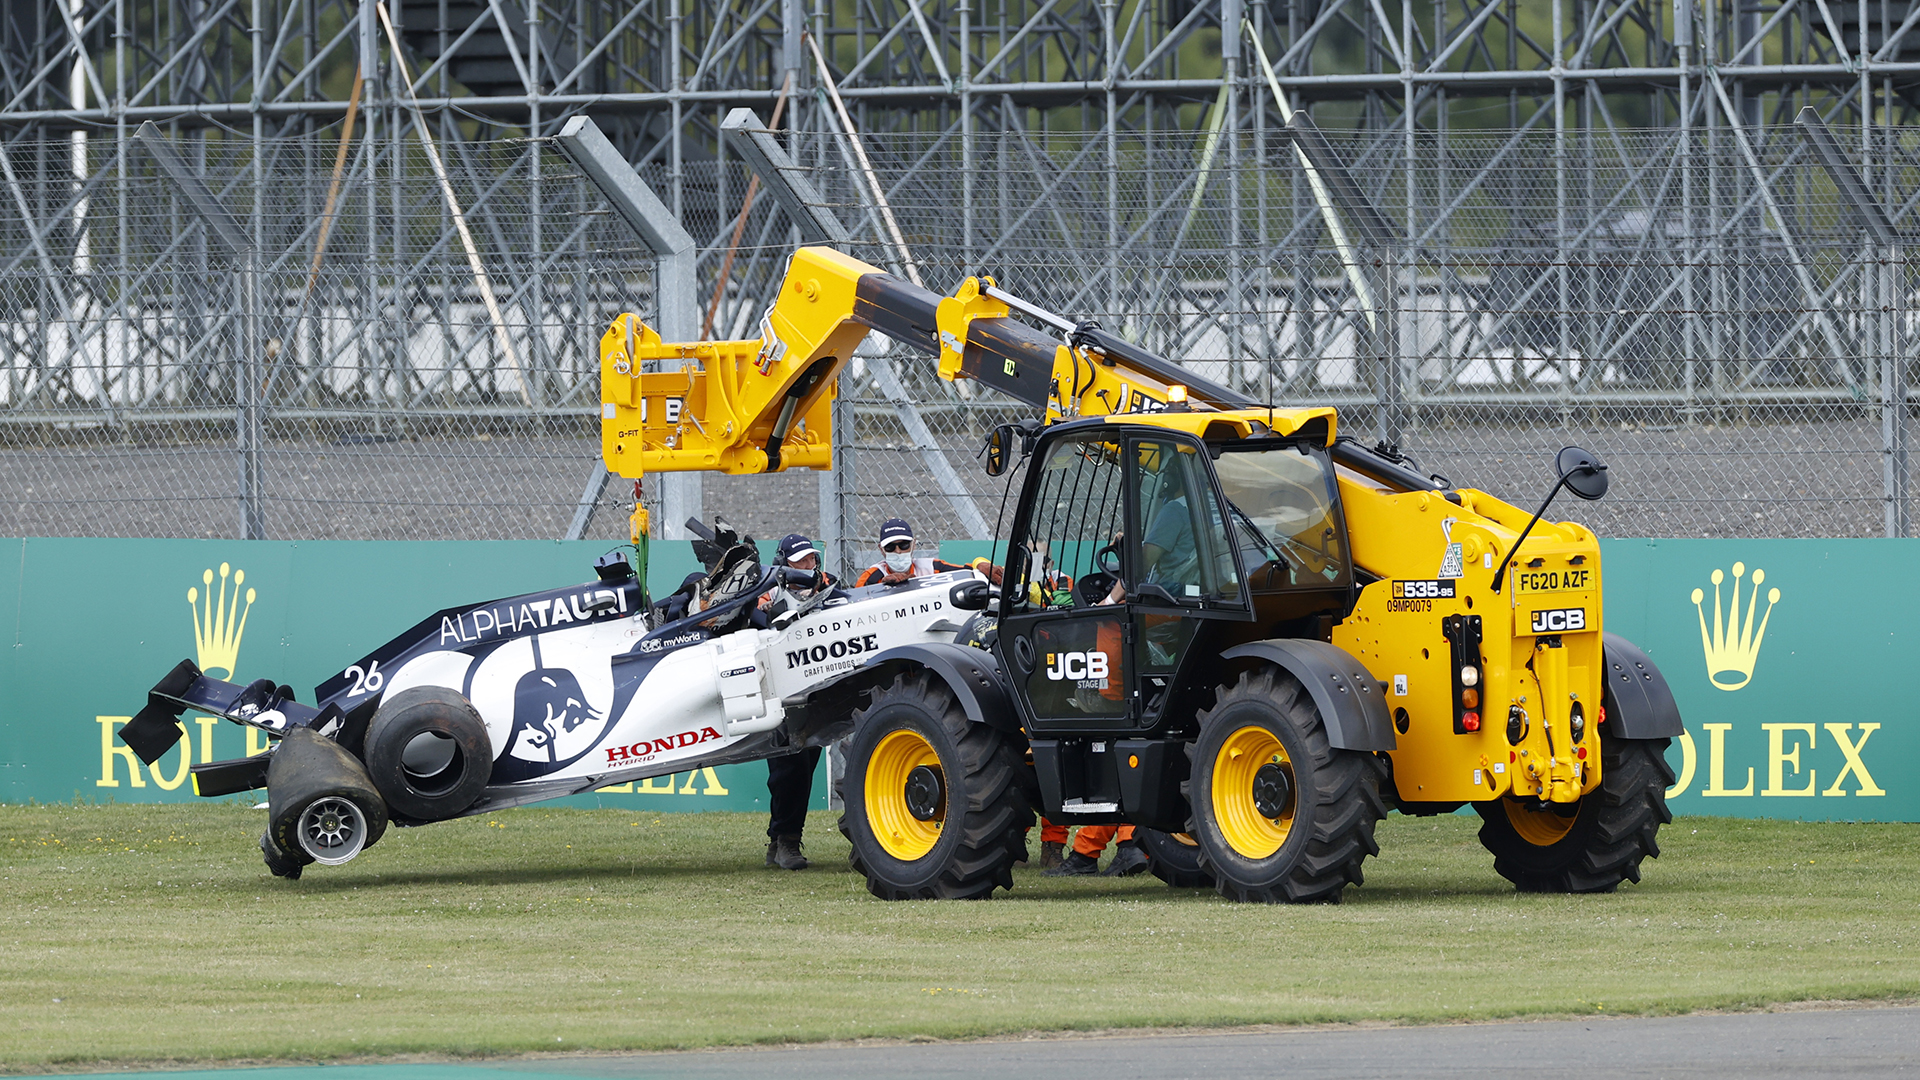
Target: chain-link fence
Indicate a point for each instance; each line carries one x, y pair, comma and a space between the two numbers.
392, 399
1702, 308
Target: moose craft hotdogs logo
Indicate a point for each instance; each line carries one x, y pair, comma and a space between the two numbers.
1732, 646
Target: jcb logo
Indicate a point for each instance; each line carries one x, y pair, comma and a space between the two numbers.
1559, 620
1075, 666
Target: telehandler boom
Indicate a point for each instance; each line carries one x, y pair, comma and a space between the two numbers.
1220, 620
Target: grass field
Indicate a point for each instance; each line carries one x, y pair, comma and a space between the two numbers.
153, 933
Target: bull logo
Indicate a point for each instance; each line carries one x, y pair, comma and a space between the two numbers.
553, 723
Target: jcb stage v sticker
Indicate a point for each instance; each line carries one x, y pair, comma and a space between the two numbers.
1419, 595
1087, 670
1559, 620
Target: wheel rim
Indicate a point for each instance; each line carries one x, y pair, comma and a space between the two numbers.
904, 759
1245, 771
433, 762
1541, 828
332, 830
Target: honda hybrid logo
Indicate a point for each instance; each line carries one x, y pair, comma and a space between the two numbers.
1075, 666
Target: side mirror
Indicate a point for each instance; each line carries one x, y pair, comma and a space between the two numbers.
613, 566
999, 448
1583, 473
805, 579
970, 595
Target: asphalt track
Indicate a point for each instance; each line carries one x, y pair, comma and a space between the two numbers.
1850, 1043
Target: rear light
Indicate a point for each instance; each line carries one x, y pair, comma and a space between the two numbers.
1463, 646
1581, 753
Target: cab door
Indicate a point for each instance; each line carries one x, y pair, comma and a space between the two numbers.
1186, 569
1119, 551
1057, 635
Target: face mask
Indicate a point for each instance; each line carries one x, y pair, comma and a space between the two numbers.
900, 563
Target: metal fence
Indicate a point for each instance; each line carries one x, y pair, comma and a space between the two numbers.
1703, 308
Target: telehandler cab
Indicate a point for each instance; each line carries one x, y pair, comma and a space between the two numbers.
1274, 633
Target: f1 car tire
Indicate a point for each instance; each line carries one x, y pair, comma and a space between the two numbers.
1593, 845
428, 753
1281, 815
1174, 858
313, 777
279, 863
935, 809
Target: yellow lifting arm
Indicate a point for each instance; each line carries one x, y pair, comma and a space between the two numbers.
765, 404
759, 405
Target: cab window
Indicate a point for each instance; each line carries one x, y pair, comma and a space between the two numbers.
1183, 545
1077, 510
1283, 501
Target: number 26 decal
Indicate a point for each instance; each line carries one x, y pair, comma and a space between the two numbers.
366, 682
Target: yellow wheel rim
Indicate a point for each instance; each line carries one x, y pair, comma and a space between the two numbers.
900, 834
1541, 828
1248, 831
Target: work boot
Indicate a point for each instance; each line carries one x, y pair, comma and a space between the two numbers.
1128, 860
1075, 865
1051, 852
783, 853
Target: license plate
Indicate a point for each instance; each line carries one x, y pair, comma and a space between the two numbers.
1537, 581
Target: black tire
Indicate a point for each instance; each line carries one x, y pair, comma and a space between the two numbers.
279, 863
1330, 799
980, 807
452, 781
1174, 858
310, 771
1612, 829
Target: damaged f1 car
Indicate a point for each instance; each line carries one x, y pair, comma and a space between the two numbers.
556, 693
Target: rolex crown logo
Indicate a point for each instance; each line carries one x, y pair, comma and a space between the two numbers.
1732, 646
217, 627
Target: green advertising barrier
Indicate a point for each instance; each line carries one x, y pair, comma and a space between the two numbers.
1785, 658
1781, 653
96, 622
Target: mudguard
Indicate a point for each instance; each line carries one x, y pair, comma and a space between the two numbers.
1351, 702
972, 675
1638, 701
